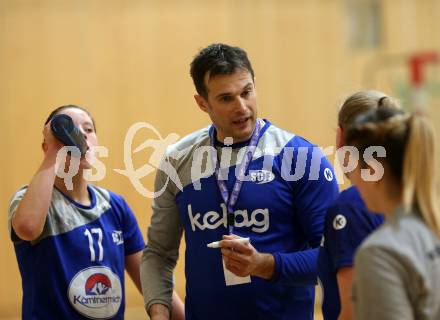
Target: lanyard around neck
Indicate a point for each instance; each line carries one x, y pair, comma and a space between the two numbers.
231, 199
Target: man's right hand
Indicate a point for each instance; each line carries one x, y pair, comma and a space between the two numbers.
159, 312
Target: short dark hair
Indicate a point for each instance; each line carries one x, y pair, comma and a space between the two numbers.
69, 106
217, 59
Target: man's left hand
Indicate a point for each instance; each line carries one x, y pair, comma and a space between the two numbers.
242, 259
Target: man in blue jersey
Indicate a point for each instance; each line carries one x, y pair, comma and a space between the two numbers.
241, 177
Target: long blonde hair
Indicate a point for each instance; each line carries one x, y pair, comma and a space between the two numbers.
419, 171
409, 141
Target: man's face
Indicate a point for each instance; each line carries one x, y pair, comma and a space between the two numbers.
231, 104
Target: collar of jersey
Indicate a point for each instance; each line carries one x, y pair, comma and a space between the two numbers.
238, 144
77, 204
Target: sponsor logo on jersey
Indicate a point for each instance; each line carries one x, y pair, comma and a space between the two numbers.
257, 219
261, 176
96, 292
117, 237
339, 222
97, 284
328, 174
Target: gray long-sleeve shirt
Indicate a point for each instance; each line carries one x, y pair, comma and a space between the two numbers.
398, 272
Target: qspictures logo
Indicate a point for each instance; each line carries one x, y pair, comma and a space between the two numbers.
96, 293
296, 162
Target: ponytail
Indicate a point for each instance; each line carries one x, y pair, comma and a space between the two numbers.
410, 144
419, 190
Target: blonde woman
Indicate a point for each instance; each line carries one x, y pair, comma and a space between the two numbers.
348, 222
398, 266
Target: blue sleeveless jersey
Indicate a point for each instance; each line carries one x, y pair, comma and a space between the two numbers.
347, 224
75, 269
281, 208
